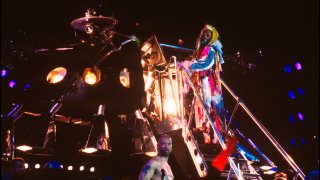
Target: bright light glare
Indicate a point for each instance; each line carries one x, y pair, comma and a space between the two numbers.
70, 168
92, 76
89, 150
269, 172
24, 148
170, 107
56, 75
298, 66
265, 167
81, 168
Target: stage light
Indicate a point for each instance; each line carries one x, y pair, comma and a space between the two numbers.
300, 116
293, 142
170, 106
125, 78
298, 66
291, 95
70, 168
89, 150
151, 154
301, 91
26, 165
4, 73
81, 168
287, 69
92, 169
26, 87
291, 118
92, 76
24, 148
56, 75
12, 83
303, 141
266, 168
269, 172
37, 166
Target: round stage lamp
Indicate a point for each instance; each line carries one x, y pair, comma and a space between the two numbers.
56, 75
92, 76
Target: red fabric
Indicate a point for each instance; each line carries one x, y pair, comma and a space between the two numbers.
221, 160
217, 124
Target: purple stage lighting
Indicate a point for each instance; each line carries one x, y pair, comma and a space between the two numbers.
291, 95
298, 66
12, 83
300, 116
4, 73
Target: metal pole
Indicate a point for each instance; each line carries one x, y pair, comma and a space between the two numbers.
268, 135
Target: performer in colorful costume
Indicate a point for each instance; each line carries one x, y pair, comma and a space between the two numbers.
205, 67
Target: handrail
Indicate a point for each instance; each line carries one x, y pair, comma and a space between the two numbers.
221, 141
266, 132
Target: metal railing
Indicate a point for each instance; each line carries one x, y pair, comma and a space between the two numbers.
265, 131
183, 75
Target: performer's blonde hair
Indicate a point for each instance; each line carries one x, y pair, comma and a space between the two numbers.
215, 36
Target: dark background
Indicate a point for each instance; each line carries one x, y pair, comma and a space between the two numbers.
285, 31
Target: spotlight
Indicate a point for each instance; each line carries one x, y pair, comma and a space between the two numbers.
37, 166
125, 78
70, 168
26, 87
24, 148
26, 165
291, 118
291, 95
92, 169
81, 168
300, 91
298, 66
4, 73
89, 29
300, 116
12, 83
151, 154
269, 172
92, 76
266, 168
287, 69
56, 75
89, 150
